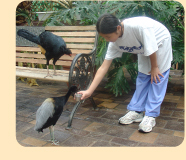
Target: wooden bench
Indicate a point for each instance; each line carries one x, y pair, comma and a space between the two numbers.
76, 70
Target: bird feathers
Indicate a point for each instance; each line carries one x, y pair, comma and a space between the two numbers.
43, 51
45, 111
28, 35
51, 45
51, 109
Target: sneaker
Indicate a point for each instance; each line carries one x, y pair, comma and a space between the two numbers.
131, 117
147, 124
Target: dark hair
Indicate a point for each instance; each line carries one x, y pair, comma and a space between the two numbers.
107, 23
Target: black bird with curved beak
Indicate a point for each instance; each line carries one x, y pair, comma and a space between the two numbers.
52, 46
49, 112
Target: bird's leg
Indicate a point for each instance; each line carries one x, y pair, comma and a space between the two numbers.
54, 70
50, 128
48, 75
55, 142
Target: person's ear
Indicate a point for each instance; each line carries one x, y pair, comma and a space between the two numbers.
118, 28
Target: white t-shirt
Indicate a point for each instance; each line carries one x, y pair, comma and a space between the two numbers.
143, 36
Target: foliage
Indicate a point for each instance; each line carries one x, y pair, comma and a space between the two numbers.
170, 13
43, 6
101, 51
117, 81
67, 13
24, 14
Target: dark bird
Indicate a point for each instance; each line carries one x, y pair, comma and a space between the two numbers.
49, 112
52, 46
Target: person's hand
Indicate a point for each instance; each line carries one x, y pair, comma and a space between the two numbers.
85, 94
155, 73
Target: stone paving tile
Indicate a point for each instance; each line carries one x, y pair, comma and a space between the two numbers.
167, 140
121, 106
120, 131
112, 122
79, 132
141, 144
62, 120
80, 124
181, 120
111, 115
109, 105
182, 98
33, 122
97, 127
32, 133
20, 136
23, 126
172, 97
173, 109
166, 113
25, 145
80, 116
133, 126
168, 104
100, 136
79, 141
105, 96
95, 113
59, 136
173, 125
124, 142
174, 101
23, 119
163, 131
179, 134
121, 99
144, 137
105, 144
33, 142
180, 105
96, 119
117, 111
160, 123
178, 114
81, 110
25, 112
166, 118
102, 99
49, 144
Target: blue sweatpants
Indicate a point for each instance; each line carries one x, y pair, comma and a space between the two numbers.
148, 97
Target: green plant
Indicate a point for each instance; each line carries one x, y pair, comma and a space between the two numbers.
117, 82
170, 13
44, 6
24, 13
101, 51
67, 11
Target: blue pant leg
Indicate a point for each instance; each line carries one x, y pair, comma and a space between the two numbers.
139, 98
156, 95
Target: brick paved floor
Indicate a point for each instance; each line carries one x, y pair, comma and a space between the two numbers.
98, 128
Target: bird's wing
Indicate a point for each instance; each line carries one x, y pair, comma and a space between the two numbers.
45, 111
43, 51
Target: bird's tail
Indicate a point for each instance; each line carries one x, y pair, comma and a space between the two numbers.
38, 129
28, 35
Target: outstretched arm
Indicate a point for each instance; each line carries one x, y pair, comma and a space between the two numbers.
155, 72
97, 79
